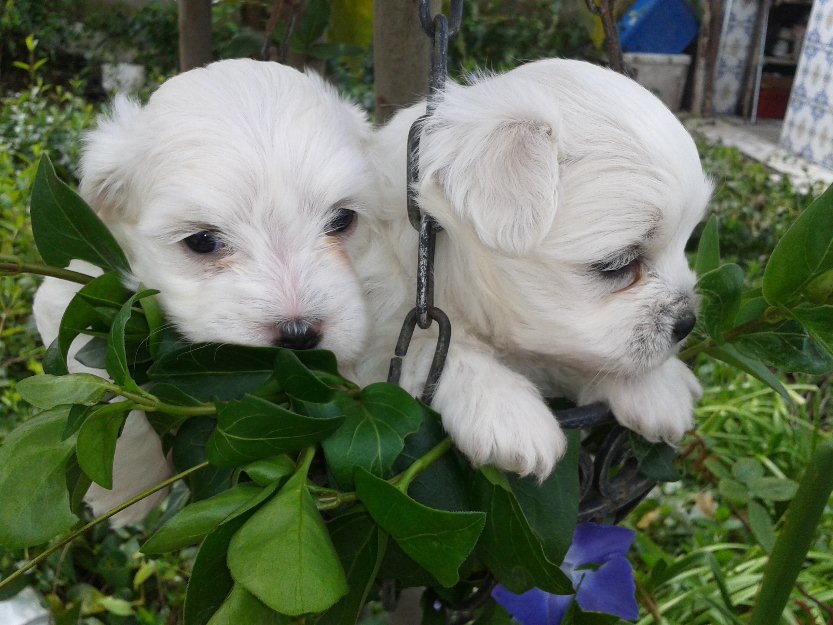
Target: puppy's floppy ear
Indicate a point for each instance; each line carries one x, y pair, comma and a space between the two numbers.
109, 158
501, 175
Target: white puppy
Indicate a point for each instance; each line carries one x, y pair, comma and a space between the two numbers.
566, 193
232, 192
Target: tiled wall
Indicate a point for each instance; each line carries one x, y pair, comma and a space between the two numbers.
735, 49
808, 125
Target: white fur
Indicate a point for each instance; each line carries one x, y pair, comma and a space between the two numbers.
264, 156
540, 178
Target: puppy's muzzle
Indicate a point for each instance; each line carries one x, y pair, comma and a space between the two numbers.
298, 334
683, 325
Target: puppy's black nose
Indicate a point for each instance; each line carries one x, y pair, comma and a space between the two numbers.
683, 326
298, 334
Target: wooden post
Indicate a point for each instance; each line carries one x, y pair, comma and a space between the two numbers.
402, 52
195, 49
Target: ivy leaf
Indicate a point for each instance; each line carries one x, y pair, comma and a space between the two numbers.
747, 469
803, 253
373, 433
198, 519
708, 249
508, 545
97, 441
656, 460
65, 228
439, 541
47, 391
284, 556
117, 363
734, 491
360, 545
34, 504
255, 428
551, 507
299, 382
721, 291
209, 372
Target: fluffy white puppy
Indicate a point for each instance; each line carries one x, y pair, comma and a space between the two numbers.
232, 192
566, 193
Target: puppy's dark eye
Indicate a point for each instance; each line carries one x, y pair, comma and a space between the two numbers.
621, 276
343, 219
205, 242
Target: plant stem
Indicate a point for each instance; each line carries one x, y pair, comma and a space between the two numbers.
12, 266
98, 520
330, 499
404, 479
149, 403
771, 316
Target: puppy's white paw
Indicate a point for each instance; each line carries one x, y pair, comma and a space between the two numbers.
494, 415
658, 405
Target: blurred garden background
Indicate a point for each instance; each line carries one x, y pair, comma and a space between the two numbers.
702, 541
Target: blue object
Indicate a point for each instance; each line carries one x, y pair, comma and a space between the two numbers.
597, 565
660, 26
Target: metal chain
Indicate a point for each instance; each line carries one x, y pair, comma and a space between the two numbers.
441, 30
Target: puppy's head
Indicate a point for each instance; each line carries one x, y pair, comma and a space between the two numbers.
232, 192
572, 191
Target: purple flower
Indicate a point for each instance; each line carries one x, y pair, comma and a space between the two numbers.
602, 576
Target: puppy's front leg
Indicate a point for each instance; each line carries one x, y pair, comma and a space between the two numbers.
494, 415
659, 404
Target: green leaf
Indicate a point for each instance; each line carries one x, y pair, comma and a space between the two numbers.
190, 449
314, 22
747, 469
818, 320
117, 363
97, 441
708, 249
241, 606
797, 535
734, 491
772, 488
360, 545
284, 556
551, 507
196, 520
820, 289
656, 460
48, 391
77, 485
508, 546
439, 541
761, 524
254, 428
373, 433
65, 228
270, 470
803, 253
728, 354
84, 310
299, 382
209, 372
721, 291
210, 581
34, 504
788, 347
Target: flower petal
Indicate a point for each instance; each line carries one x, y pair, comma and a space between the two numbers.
534, 607
596, 544
610, 589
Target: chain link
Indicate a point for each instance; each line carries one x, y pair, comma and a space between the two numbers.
440, 29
